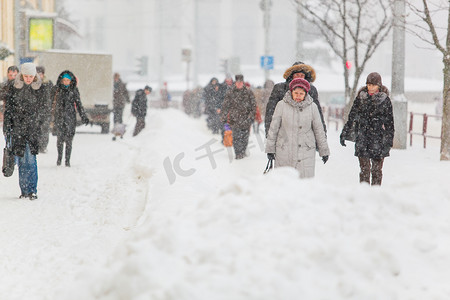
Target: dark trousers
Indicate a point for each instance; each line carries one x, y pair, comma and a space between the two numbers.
60, 146
140, 124
371, 166
118, 113
44, 136
240, 141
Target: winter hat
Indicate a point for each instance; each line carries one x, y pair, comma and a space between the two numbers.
28, 69
67, 76
239, 77
299, 82
374, 78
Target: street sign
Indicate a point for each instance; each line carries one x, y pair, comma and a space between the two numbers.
267, 62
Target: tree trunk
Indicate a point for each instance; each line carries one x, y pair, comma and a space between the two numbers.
445, 133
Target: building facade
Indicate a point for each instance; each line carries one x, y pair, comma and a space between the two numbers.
14, 17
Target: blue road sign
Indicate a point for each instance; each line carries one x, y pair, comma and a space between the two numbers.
267, 62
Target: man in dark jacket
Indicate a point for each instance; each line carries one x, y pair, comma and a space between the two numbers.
238, 110
46, 110
21, 126
298, 70
10, 76
139, 108
120, 98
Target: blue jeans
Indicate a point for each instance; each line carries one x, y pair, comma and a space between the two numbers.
28, 173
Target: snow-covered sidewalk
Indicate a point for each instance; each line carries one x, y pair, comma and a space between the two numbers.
157, 217
82, 214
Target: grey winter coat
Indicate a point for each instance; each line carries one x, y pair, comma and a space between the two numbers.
295, 130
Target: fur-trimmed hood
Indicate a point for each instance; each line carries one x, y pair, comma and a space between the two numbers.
19, 83
310, 73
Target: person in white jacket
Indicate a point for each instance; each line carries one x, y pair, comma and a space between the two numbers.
296, 131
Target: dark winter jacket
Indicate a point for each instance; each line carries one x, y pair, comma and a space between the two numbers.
374, 127
66, 103
239, 108
280, 89
47, 86
4, 86
139, 104
213, 98
120, 94
22, 119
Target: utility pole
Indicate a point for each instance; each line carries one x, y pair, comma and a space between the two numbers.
399, 101
265, 5
196, 44
299, 53
160, 38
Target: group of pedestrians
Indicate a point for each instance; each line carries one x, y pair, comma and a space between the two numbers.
295, 127
294, 122
232, 105
31, 102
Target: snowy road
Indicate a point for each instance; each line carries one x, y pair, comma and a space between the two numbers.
155, 217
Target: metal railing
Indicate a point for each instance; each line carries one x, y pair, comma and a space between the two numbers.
424, 127
334, 115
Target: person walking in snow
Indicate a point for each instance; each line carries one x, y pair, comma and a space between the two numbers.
298, 70
66, 102
4, 86
296, 131
238, 110
46, 110
165, 96
139, 108
371, 125
213, 103
22, 126
120, 98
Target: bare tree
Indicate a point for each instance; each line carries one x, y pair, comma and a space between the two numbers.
353, 28
430, 31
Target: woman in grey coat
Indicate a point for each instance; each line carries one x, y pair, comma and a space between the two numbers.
295, 130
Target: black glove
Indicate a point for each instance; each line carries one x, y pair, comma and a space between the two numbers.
271, 156
343, 140
85, 120
325, 159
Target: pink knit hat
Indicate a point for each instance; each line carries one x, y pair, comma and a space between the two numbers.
299, 82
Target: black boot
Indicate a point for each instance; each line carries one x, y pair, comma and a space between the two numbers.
59, 146
68, 152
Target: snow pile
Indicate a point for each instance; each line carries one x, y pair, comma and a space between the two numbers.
222, 230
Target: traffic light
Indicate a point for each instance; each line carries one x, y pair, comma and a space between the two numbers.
348, 64
142, 66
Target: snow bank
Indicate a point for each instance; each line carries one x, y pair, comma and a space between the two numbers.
229, 232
